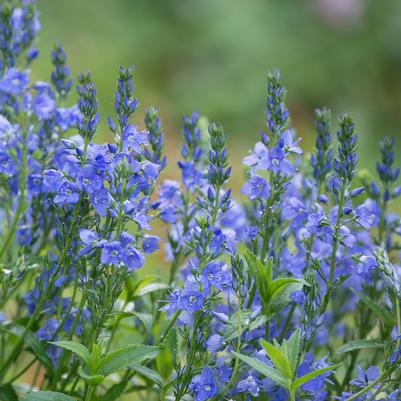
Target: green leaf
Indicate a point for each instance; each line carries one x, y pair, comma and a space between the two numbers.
293, 349
262, 274
256, 322
146, 319
304, 379
164, 364
152, 287
148, 374
231, 326
282, 297
47, 396
264, 369
279, 284
36, 346
76, 348
115, 392
125, 356
360, 344
94, 380
7, 393
380, 311
278, 359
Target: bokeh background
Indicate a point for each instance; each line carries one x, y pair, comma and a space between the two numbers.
212, 56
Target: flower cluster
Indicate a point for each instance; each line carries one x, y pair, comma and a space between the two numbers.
290, 290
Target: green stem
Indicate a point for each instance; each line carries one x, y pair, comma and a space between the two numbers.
22, 371
120, 210
89, 392
267, 217
336, 241
191, 354
169, 327
366, 389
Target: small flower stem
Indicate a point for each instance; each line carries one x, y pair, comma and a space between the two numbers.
169, 327
267, 217
336, 241
89, 392
120, 210
367, 388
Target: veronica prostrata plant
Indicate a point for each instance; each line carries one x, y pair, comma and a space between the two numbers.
290, 290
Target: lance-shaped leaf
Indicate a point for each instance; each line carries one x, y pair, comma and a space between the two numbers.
360, 344
293, 349
47, 396
125, 356
304, 379
76, 348
278, 358
264, 369
274, 294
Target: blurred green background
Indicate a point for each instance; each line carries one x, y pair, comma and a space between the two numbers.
212, 56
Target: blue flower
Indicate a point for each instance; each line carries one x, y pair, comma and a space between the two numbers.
100, 201
256, 187
132, 258
89, 180
112, 253
7, 165
90, 240
43, 106
216, 273
35, 183
150, 243
132, 140
191, 300
48, 329
203, 385
14, 82
277, 163
364, 377
67, 193
249, 385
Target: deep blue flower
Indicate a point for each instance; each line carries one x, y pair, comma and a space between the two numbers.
256, 187
43, 106
150, 243
89, 180
203, 386
7, 165
48, 329
364, 377
35, 183
112, 253
249, 385
132, 139
14, 82
216, 274
132, 258
191, 300
100, 201
67, 193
